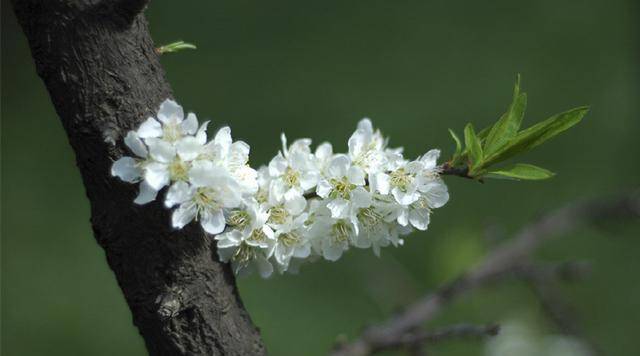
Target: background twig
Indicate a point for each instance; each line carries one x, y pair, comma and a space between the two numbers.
503, 261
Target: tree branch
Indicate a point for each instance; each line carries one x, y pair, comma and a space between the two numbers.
417, 339
543, 283
502, 262
104, 78
447, 170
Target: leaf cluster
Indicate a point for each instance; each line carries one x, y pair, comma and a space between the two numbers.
481, 151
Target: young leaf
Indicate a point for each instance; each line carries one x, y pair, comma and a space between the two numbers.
458, 152
509, 123
473, 146
521, 171
175, 47
537, 134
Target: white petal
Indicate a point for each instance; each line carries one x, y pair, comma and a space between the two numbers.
419, 218
190, 124
296, 205
239, 153
361, 198
355, 175
170, 112
437, 194
403, 218
213, 221
278, 165
283, 254
309, 179
268, 232
150, 128
302, 251
146, 194
157, 175
183, 215
126, 169
201, 134
331, 252
283, 140
205, 173
265, 269
293, 193
339, 208
324, 151
301, 145
357, 142
178, 193
246, 177
188, 148
298, 222
299, 160
339, 165
229, 195
223, 138
229, 239
324, 188
362, 241
365, 125
380, 182
414, 167
277, 190
404, 198
135, 144
430, 159
160, 150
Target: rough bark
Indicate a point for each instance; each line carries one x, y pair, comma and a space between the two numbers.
98, 63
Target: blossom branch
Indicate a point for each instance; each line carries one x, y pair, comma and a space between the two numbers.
448, 170
503, 261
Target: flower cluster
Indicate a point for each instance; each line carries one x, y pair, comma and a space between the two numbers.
303, 206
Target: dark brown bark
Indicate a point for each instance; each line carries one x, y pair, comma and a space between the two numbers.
98, 63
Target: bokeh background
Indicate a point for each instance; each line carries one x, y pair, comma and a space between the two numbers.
312, 69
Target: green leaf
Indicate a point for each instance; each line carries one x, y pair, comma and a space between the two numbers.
537, 134
473, 146
509, 123
175, 47
456, 155
482, 135
521, 171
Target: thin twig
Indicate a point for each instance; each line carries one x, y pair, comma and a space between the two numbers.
501, 262
544, 287
417, 340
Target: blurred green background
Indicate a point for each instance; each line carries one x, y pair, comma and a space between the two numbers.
313, 69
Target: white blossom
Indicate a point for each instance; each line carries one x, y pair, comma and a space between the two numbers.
211, 191
303, 206
366, 147
292, 240
249, 241
131, 169
343, 187
293, 171
331, 236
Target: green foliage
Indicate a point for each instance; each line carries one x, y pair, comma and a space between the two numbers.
508, 125
175, 47
504, 140
458, 153
472, 141
521, 171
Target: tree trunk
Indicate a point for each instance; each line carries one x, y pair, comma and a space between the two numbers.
98, 62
